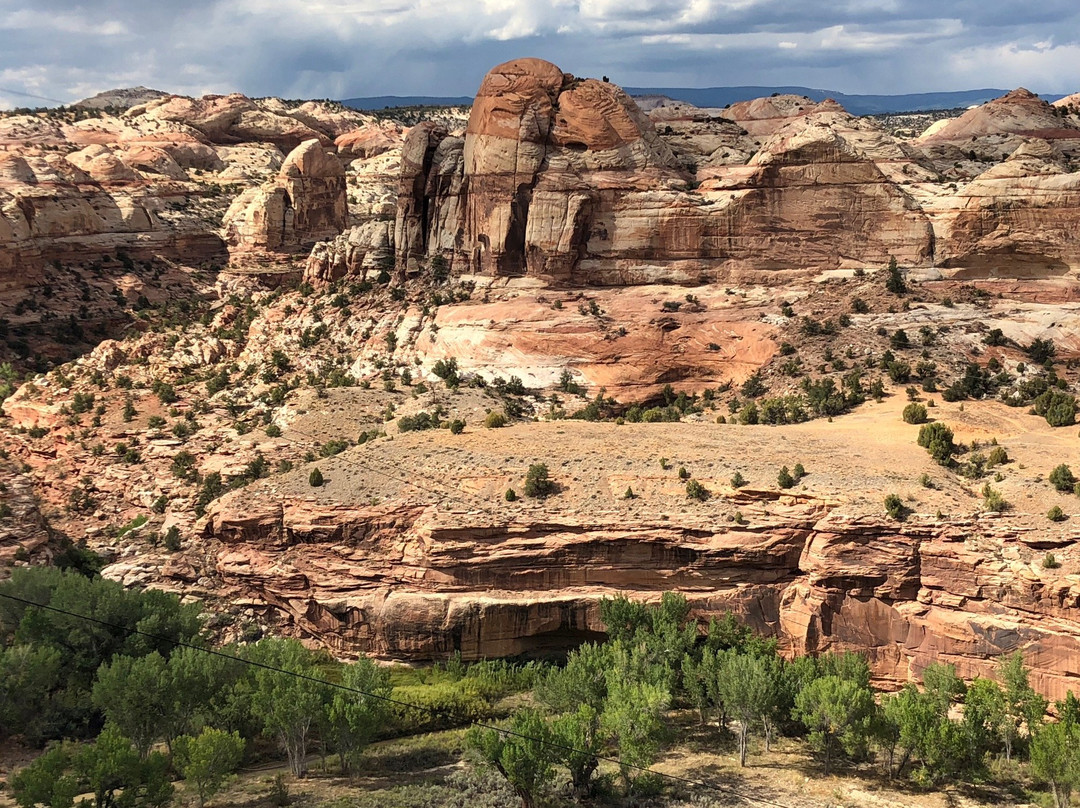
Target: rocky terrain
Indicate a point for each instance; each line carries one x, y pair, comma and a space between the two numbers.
204, 300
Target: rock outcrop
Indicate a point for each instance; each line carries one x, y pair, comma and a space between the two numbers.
304, 204
1017, 219
567, 180
419, 583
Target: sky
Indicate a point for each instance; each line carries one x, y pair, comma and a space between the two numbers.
64, 50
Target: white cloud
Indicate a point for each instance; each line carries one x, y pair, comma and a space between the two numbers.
341, 48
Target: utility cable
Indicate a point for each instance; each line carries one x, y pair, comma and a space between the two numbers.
397, 702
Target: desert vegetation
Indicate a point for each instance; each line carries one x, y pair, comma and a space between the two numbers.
145, 700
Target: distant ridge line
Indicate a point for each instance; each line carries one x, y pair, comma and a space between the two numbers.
722, 96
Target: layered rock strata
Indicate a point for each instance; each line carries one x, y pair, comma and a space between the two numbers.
421, 582
567, 180
305, 203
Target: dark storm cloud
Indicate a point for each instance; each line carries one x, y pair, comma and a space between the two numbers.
338, 48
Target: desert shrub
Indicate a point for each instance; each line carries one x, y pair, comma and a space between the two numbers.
183, 466
417, 423
171, 539
1062, 478
165, 392
511, 495
457, 426
993, 500
894, 280
1055, 514
696, 491
315, 479
1041, 350
899, 372
894, 507
784, 478
537, 482
447, 370
1049, 562
1057, 407
997, 457
737, 480
937, 439
495, 420
914, 414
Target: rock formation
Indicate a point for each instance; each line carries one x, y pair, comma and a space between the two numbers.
419, 583
1017, 219
565, 179
306, 202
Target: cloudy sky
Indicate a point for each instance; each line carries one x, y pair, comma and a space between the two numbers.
67, 49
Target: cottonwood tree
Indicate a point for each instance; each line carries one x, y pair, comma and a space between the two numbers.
207, 759
135, 695
748, 688
838, 713
352, 718
1055, 758
523, 755
287, 704
110, 769
1024, 708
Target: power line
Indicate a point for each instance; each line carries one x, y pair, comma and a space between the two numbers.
31, 95
390, 700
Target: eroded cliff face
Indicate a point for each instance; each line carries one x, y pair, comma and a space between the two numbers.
305, 203
420, 583
567, 180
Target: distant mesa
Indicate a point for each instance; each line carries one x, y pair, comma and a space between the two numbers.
124, 98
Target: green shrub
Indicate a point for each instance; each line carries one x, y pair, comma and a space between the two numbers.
992, 500
737, 480
997, 457
495, 420
1062, 478
914, 414
894, 280
273, 431
511, 495
937, 439
696, 491
1049, 562
315, 479
1055, 514
417, 423
1057, 407
172, 539
457, 426
684, 474
894, 507
537, 482
784, 478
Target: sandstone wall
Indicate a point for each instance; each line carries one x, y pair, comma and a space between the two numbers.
415, 584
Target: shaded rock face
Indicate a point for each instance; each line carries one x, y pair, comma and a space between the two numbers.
568, 180
1018, 219
305, 203
412, 583
93, 202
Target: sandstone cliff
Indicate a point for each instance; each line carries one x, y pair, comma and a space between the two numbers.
443, 568
306, 202
566, 180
